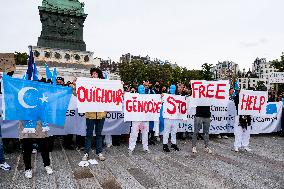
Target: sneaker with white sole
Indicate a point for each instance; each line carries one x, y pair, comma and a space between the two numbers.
236, 149
194, 150
208, 150
29, 174
146, 150
225, 137
219, 136
101, 157
85, 157
48, 170
247, 149
5, 166
34, 151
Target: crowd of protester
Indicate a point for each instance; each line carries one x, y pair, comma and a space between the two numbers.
95, 120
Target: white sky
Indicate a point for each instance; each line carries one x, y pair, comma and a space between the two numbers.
188, 32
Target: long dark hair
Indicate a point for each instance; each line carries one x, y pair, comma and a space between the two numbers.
98, 71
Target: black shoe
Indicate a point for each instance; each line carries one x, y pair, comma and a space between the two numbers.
151, 142
174, 146
166, 148
70, 147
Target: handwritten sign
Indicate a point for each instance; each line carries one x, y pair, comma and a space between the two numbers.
142, 107
209, 92
98, 95
175, 107
276, 77
252, 102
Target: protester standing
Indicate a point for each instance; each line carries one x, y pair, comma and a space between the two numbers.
97, 120
171, 125
143, 126
3, 165
28, 139
202, 119
242, 129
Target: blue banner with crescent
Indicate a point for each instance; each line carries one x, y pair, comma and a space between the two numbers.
32, 100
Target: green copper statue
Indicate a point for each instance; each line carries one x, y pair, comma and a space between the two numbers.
62, 24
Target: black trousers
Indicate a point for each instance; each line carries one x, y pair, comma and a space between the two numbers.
28, 147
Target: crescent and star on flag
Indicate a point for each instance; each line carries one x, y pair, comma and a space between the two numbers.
22, 93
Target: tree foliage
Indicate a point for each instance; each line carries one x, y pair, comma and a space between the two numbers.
21, 58
260, 86
206, 71
137, 72
279, 65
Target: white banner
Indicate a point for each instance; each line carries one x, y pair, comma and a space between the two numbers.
98, 95
75, 123
276, 77
175, 107
142, 107
209, 92
222, 121
252, 102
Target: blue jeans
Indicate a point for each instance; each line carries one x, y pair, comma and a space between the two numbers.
98, 124
2, 158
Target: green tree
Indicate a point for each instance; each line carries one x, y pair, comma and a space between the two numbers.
206, 72
260, 86
279, 65
21, 58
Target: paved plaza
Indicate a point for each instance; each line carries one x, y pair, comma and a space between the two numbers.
261, 168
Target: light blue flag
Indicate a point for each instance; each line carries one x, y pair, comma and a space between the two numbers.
54, 76
35, 74
31, 100
25, 76
105, 73
47, 72
161, 119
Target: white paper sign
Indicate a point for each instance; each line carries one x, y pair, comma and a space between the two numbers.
142, 107
206, 93
252, 102
175, 107
276, 77
98, 95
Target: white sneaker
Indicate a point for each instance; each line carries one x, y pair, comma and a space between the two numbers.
147, 151
5, 166
225, 137
101, 157
34, 151
85, 157
208, 150
29, 174
219, 136
48, 170
194, 150
247, 149
236, 149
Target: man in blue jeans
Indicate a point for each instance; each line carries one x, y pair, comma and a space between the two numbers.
3, 164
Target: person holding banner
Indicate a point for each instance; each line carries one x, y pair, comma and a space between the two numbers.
242, 129
96, 119
153, 125
202, 118
171, 125
143, 126
41, 138
3, 165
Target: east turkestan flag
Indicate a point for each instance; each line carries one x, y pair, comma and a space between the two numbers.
32, 100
